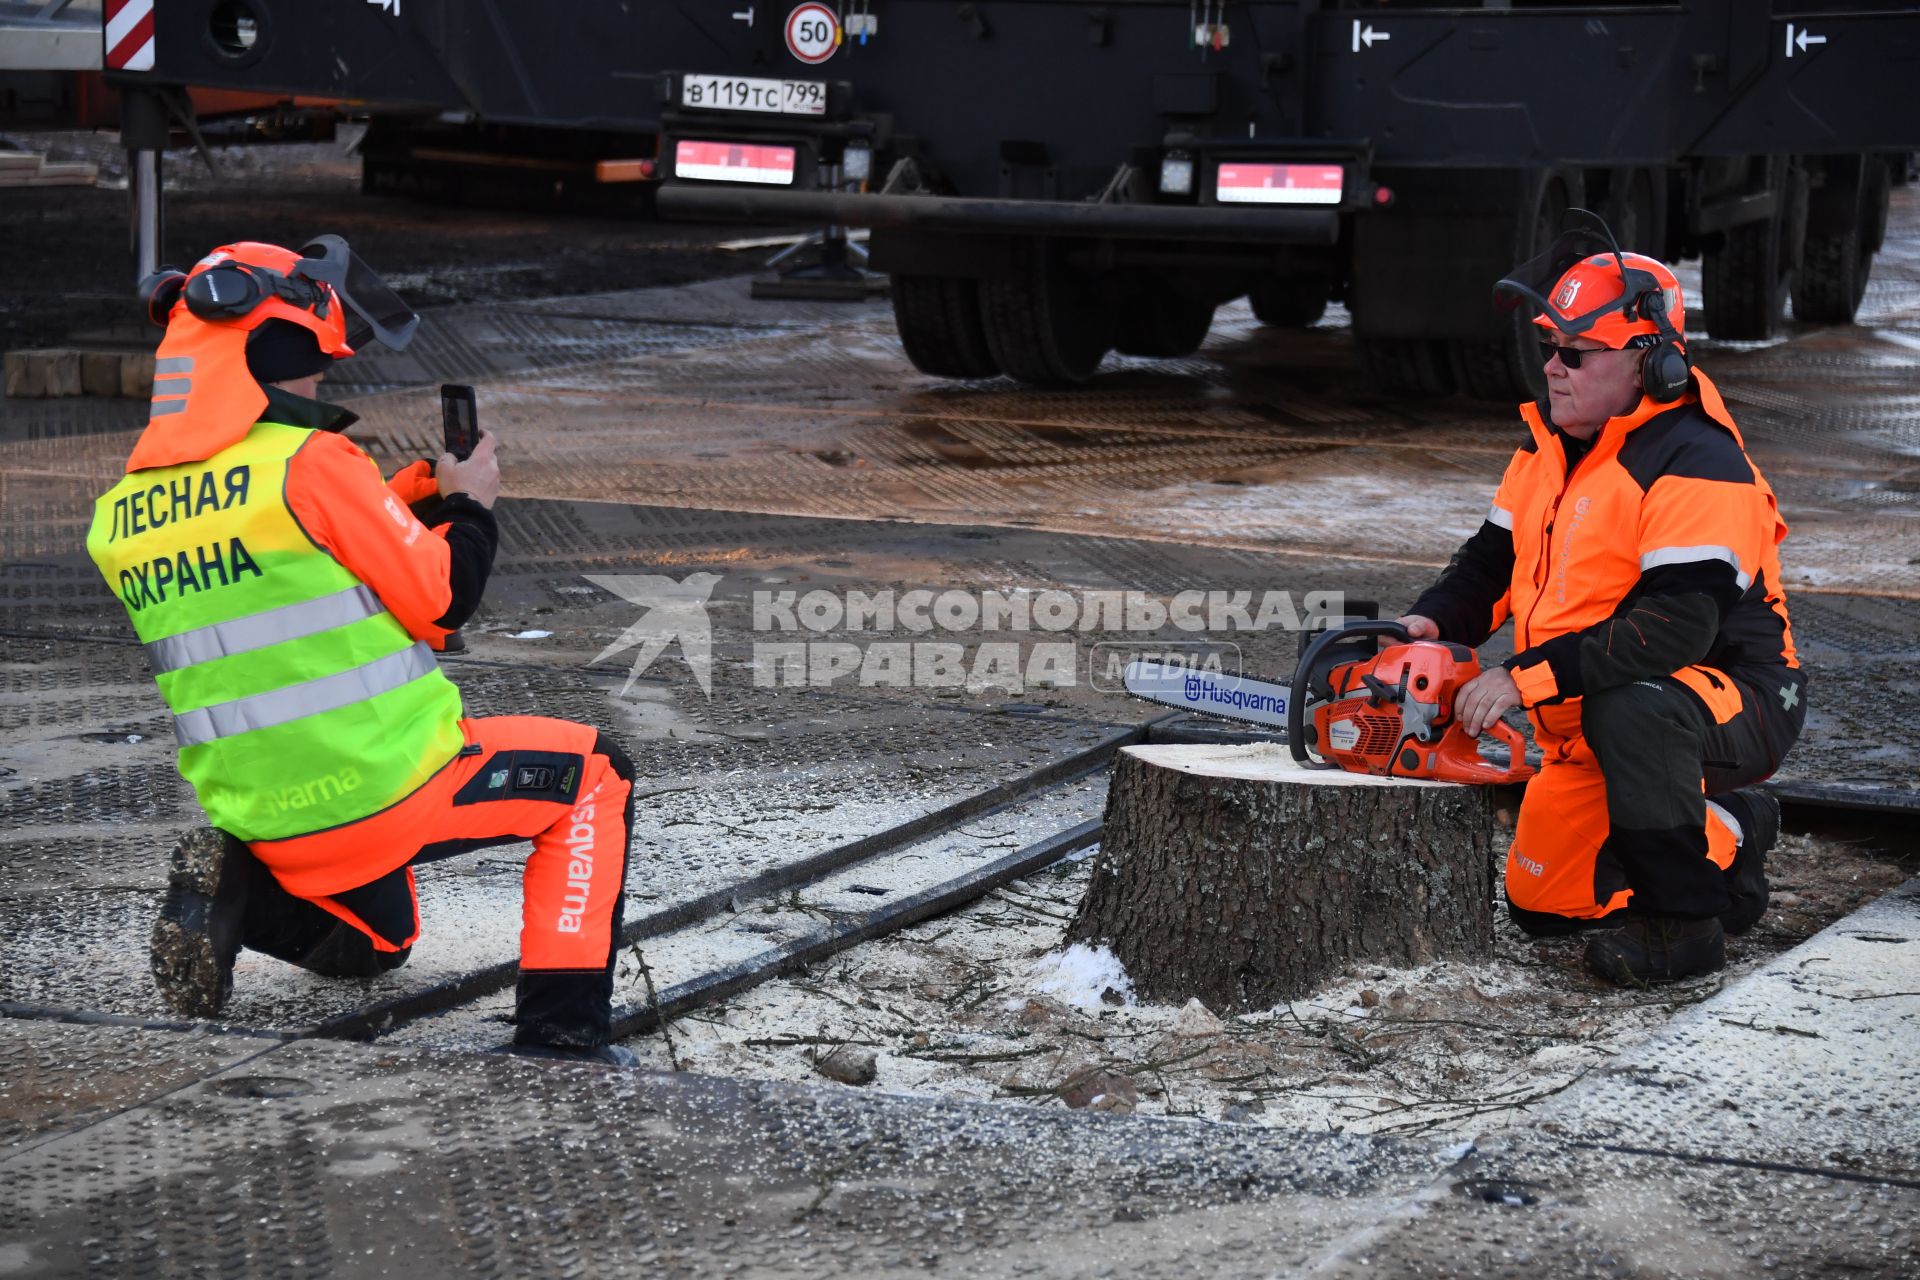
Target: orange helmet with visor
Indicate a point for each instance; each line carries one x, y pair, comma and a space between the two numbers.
324, 288
1584, 286
204, 396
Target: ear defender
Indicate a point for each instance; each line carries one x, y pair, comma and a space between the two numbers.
232, 290
1664, 372
158, 293
225, 292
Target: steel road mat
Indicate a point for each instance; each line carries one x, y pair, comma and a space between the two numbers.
791, 458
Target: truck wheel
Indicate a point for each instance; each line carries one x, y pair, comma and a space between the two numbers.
1163, 324
1746, 282
1878, 197
1290, 302
1405, 366
939, 322
1636, 212
1490, 371
1044, 324
1508, 369
1833, 273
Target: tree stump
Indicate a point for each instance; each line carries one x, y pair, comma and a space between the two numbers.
1233, 874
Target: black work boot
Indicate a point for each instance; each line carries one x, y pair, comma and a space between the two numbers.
1758, 814
198, 933
1658, 949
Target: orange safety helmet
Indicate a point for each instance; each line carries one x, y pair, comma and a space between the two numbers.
1582, 293
246, 284
250, 283
204, 398
1584, 286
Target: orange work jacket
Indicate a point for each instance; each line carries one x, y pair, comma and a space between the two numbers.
1659, 490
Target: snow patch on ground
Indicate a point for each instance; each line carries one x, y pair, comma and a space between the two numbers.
1079, 976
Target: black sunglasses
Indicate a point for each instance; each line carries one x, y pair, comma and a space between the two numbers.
1569, 356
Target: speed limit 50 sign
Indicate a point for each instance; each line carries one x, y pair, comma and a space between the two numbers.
813, 32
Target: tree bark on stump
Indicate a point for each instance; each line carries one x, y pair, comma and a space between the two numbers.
1233, 874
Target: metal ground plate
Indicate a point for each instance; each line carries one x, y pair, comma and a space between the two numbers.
379, 1160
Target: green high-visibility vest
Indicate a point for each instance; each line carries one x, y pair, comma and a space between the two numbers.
299, 702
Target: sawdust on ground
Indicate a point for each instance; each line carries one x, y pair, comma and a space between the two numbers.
950, 1008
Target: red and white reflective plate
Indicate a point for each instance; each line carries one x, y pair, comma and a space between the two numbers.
733, 162
1279, 184
127, 35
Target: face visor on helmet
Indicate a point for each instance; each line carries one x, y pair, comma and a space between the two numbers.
248, 283
374, 310
1612, 298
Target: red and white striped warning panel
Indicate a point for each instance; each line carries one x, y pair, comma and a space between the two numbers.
129, 35
733, 162
1279, 184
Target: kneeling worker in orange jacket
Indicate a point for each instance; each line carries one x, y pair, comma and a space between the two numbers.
290, 601
1634, 544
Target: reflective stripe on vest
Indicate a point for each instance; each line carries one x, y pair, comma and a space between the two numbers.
258, 630
300, 702
296, 701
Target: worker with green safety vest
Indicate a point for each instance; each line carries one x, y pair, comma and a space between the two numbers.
291, 601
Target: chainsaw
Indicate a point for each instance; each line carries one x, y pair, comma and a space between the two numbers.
1388, 713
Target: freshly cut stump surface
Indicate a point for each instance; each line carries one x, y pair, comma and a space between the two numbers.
1235, 875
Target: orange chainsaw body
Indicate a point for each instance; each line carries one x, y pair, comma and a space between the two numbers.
1392, 715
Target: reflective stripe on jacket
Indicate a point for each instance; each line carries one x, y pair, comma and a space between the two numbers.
300, 702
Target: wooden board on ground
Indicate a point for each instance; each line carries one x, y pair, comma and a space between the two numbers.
23, 169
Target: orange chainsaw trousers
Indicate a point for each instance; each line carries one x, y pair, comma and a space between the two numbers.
1624, 813
564, 786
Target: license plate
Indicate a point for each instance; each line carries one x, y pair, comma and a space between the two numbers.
1279, 184
733, 162
749, 93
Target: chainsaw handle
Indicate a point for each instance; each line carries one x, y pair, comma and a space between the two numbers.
1297, 694
1483, 771
1518, 770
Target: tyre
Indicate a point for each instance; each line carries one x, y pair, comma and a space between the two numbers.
1044, 324
1833, 277
1635, 210
1746, 282
1405, 366
1163, 324
1290, 302
1507, 369
939, 322
1878, 188
1494, 371
1839, 254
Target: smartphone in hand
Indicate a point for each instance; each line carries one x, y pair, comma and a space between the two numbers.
459, 419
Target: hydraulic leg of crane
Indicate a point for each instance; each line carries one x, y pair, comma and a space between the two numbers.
143, 132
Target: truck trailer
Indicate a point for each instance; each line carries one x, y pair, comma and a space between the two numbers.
1047, 181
